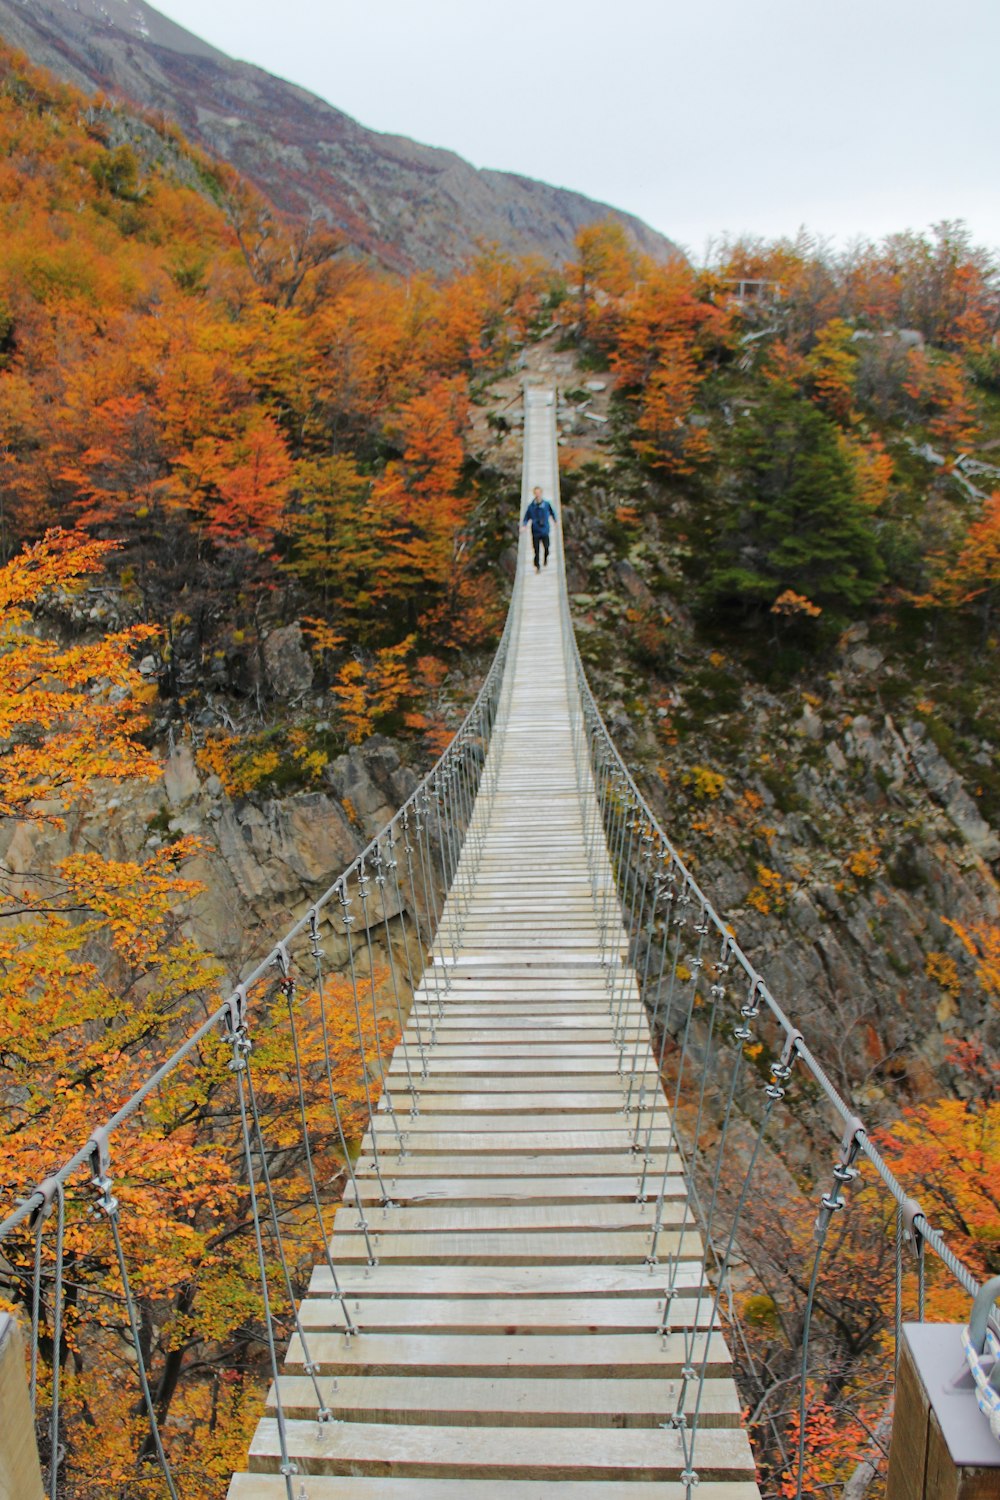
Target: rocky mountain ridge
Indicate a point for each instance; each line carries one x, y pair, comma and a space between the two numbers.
409, 205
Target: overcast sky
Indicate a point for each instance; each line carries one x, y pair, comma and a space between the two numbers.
850, 117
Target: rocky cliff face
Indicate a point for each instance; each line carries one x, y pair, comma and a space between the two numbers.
412, 206
262, 863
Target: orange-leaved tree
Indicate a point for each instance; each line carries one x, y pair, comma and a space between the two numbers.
667, 328
334, 546
368, 695
948, 1152
940, 391
974, 577
604, 269
100, 979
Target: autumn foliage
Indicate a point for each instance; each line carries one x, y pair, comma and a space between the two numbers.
218, 422
67, 714
100, 978
265, 427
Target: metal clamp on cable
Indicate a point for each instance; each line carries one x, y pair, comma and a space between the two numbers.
236, 1029
99, 1152
913, 1218
749, 1011
284, 964
781, 1070
46, 1191
844, 1172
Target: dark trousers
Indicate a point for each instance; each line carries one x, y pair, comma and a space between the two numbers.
540, 539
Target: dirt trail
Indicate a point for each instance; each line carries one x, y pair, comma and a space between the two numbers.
583, 424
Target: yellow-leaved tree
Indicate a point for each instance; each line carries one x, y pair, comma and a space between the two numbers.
100, 982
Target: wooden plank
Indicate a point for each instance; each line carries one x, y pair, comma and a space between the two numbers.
415, 1126
526, 1067
527, 1027
437, 1082
543, 1035
632, 1355
503, 1190
499, 1453
507, 1281
20, 1473
485, 1143
506, 1402
518, 1218
532, 1049
355, 1487
530, 997
396, 1168
528, 1315
539, 1103
458, 1248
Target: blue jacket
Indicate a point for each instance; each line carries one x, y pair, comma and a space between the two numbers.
538, 513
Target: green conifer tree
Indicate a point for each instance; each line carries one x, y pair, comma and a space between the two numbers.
790, 517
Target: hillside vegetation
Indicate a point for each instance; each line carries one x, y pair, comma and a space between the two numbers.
410, 206
799, 526
785, 563
269, 429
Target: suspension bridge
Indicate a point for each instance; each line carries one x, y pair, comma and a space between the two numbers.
525, 1289
516, 1337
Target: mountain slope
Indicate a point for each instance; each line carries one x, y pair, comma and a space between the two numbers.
413, 206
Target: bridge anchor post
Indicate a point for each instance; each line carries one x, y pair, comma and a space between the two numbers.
942, 1447
20, 1470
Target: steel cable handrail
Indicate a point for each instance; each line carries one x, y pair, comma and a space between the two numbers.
855, 1128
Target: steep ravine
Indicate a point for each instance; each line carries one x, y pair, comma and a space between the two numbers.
819, 815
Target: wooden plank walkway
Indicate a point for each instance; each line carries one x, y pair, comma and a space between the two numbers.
508, 1345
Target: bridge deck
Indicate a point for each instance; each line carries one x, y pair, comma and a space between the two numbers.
508, 1342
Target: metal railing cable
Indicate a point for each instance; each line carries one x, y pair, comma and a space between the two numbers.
296, 1063
646, 893
655, 891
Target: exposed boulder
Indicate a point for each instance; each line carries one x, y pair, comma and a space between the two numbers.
371, 781
945, 786
180, 778
282, 849
635, 586
287, 666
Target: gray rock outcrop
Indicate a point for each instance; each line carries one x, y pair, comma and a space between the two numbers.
287, 665
946, 787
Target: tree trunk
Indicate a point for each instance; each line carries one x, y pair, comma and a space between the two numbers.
870, 1467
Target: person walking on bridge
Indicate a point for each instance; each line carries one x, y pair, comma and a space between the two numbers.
540, 514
